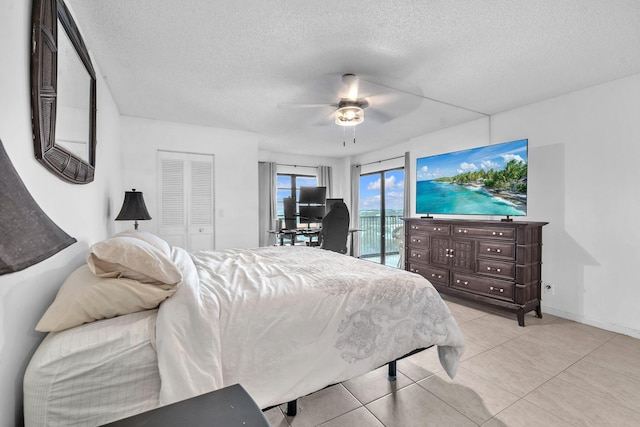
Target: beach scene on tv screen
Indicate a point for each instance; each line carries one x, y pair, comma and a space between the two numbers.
490, 180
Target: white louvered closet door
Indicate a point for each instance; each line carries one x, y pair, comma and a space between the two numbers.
186, 200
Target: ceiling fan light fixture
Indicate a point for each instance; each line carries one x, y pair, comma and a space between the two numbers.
350, 115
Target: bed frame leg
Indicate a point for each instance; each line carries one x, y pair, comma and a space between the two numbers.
392, 371
292, 408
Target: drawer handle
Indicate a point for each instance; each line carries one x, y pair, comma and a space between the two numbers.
439, 276
465, 283
499, 234
496, 269
501, 290
495, 250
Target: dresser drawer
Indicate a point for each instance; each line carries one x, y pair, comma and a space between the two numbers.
444, 229
418, 240
419, 255
434, 275
497, 268
492, 232
483, 285
494, 249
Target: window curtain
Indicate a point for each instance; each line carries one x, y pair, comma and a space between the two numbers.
355, 209
324, 179
407, 185
267, 173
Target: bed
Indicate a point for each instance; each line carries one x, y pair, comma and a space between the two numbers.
281, 321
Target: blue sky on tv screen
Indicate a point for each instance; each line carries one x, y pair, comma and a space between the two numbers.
489, 157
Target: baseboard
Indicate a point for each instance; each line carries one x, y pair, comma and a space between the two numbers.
602, 325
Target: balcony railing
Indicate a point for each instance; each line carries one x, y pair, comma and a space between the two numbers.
370, 235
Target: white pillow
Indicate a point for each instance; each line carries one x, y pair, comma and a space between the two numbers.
150, 238
84, 297
131, 257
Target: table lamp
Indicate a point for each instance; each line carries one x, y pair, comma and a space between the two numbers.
133, 208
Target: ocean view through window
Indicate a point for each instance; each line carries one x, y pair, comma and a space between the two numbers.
288, 185
381, 212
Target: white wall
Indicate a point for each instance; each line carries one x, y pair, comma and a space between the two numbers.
235, 173
585, 153
81, 210
583, 150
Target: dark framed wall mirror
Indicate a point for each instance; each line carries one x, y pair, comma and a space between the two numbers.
63, 94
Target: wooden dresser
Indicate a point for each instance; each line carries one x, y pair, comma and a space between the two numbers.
492, 262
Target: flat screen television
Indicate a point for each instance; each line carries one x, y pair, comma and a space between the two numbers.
490, 180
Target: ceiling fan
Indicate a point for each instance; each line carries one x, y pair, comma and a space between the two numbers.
352, 100
350, 110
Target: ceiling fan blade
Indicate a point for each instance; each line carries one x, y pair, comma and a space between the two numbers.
325, 120
378, 116
384, 99
296, 105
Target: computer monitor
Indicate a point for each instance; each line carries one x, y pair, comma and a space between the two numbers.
311, 214
329, 204
313, 195
290, 222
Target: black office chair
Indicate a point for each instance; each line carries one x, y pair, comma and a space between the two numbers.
335, 229
290, 223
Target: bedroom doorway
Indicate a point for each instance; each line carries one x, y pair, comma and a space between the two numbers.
381, 212
185, 205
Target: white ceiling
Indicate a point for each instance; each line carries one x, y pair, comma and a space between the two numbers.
237, 64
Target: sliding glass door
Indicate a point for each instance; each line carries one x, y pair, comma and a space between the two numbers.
381, 211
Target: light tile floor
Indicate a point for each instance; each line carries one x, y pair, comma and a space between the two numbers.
553, 372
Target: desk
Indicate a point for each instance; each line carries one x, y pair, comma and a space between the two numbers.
228, 407
310, 233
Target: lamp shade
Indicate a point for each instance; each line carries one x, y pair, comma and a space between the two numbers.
27, 234
133, 208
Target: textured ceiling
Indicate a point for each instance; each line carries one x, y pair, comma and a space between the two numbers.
241, 64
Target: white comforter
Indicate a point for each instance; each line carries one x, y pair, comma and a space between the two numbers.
287, 321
